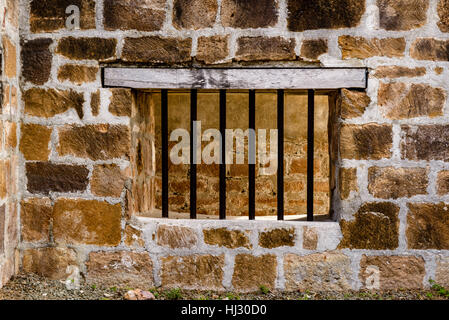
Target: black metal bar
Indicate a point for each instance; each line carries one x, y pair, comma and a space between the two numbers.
193, 148
280, 172
251, 154
223, 154
164, 132
310, 151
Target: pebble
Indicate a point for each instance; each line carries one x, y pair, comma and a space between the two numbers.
139, 295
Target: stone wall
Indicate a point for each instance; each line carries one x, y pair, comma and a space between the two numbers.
80, 161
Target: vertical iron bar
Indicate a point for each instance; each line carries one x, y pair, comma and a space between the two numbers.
193, 148
164, 132
251, 150
223, 154
310, 152
280, 171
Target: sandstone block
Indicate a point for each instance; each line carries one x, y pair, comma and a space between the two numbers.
36, 60
263, 48
443, 13
442, 272
362, 48
430, 49
121, 102
443, 182
347, 182
226, 238
399, 72
277, 238
108, 180
251, 272
249, 13
425, 142
87, 48
212, 49
49, 262
77, 74
34, 142
194, 14
35, 215
176, 237
310, 238
402, 14
353, 103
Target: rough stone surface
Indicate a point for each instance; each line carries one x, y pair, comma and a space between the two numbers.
249, 13
310, 238
96, 142
395, 272
212, 49
108, 180
194, 14
353, 103
262, 48
133, 237
10, 57
51, 102
226, 238
2, 228
399, 72
442, 272
141, 15
121, 102
394, 183
425, 142
87, 48
399, 100
367, 141
402, 14
347, 182
86, 222
324, 14
77, 74
95, 103
428, 226
120, 269
329, 271
277, 238
49, 262
203, 272
443, 182
36, 60
35, 215
362, 48
45, 177
311, 49
430, 49
156, 49
176, 237
50, 15
375, 226
34, 141
443, 13
251, 272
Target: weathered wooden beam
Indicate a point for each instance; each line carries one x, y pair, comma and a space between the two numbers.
235, 78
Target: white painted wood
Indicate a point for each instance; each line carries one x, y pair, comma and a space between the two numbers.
236, 78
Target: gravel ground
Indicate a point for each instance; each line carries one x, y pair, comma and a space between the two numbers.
32, 287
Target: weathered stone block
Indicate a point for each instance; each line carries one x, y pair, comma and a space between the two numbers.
425, 142
311, 49
120, 269
95, 103
430, 49
86, 222
195, 272
10, 57
309, 238
277, 238
395, 272
156, 49
108, 180
87, 48
443, 13
141, 15
324, 14
35, 215
353, 103
347, 182
49, 262
251, 272
213, 49
2, 228
50, 15
36, 60
45, 177
399, 100
34, 141
77, 74
133, 237
121, 102
362, 48
194, 14
375, 226
367, 141
329, 271
394, 183
50, 102
176, 237
226, 238
442, 272
399, 72
402, 14
428, 226
263, 48
249, 13
443, 182
96, 142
